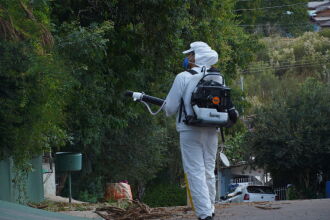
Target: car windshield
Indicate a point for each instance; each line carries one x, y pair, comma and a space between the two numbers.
260, 189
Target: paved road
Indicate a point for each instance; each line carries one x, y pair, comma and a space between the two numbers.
299, 209
318, 209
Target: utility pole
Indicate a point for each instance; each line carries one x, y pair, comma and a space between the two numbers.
242, 88
242, 83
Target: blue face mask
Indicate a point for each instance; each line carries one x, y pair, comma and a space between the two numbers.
185, 63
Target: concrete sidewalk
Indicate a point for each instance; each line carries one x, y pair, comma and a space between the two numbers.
12, 211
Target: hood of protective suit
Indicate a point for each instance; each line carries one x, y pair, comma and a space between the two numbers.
204, 55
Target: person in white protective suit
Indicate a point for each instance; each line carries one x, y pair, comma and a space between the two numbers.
198, 144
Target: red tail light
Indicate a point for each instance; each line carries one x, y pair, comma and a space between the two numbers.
246, 197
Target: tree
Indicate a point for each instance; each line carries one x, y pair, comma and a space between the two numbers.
33, 86
285, 17
295, 148
112, 46
32, 82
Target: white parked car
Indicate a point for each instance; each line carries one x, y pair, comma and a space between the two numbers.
250, 193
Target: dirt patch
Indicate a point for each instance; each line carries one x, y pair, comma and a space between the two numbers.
62, 199
84, 214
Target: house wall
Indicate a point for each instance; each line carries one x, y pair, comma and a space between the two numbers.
223, 182
6, 183
33, 181
246, 170
317, 4
226, 177
49, 179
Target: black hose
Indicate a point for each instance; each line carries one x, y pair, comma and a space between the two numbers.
128, 93
147, 98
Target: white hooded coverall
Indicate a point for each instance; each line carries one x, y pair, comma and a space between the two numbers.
198, 144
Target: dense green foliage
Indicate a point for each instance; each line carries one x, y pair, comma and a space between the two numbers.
164, 195
66, 64
33, 86
284, 63
296, 145
293, 111
141, 43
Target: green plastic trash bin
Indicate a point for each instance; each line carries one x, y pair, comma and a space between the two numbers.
67, 161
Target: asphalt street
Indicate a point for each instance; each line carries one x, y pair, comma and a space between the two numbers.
318, 209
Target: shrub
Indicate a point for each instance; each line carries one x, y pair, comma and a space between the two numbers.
325, 33
165, 195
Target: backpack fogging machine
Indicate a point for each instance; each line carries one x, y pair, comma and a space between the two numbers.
210, 103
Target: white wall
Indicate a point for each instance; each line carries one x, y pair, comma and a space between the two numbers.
246, 170
49, 180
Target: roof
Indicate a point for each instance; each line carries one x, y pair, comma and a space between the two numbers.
238, 164
322, 8
325, 24
13, 211
321, 18
316, 4
322, 21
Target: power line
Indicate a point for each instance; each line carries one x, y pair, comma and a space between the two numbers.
257, 70
275, 26
264, 24
270, 7
296, 62
262, 70
287, 64
253, 0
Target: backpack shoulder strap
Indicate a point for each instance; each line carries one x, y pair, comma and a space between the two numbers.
182, 107
192, 72
213, 69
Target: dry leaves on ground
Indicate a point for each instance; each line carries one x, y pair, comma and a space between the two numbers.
136, 211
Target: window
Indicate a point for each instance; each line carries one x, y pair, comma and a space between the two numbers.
260, 189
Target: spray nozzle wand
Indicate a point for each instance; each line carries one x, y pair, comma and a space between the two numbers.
145, 99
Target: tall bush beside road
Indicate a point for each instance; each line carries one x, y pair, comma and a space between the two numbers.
291, 136
34, 87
